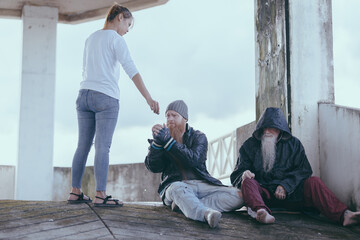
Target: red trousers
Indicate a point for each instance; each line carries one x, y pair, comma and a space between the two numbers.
316, 195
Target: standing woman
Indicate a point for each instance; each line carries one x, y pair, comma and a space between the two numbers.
97, 104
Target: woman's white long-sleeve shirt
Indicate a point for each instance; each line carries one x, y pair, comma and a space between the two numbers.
104, 51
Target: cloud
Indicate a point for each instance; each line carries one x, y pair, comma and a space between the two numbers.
204, 60
199, 51
346, 36
207, 60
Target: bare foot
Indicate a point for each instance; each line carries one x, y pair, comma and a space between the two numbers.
263, 216
212, 217
351, 218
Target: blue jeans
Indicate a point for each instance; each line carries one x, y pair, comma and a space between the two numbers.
195, 197
97, 116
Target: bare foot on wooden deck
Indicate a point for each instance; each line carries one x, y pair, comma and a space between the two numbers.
263, 216
351, 218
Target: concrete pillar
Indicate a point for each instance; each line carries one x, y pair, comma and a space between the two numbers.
294, 68
312, 71
34, 174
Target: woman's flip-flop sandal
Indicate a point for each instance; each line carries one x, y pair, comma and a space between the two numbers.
108, 199
80, 199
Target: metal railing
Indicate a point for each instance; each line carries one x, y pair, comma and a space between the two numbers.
221, 156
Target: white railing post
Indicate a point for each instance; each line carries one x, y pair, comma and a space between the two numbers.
222, 156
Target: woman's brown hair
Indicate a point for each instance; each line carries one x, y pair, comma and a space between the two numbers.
115, 10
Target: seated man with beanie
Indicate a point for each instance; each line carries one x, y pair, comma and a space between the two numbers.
179, 152
273, 171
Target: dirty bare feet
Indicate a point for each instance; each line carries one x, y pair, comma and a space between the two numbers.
351, 218
212, 217
263, 216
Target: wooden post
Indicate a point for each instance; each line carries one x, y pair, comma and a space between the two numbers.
271, 60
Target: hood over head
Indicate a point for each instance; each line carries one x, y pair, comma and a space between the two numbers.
272, 118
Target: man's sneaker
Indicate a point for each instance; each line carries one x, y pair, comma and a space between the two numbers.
174, 207
212, 217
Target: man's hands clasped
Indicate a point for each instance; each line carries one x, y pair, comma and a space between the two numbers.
162, 137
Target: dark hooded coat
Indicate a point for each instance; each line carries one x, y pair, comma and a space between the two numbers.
291, 167
191, 154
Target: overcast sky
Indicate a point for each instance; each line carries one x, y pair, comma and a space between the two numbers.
198, 51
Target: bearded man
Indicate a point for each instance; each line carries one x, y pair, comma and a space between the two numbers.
179, 152
273, 171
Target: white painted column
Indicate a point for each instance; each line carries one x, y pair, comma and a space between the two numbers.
311, 70
34, 174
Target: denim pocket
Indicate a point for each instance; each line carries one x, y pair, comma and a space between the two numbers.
101, 101
78, 99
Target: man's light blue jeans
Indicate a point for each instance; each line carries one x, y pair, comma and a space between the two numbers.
97, 116
195, 197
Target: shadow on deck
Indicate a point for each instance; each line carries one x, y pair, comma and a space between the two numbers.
59, 220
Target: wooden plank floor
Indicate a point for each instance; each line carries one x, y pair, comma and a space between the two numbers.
59, 220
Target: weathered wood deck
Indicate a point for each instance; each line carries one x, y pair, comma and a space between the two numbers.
59, 220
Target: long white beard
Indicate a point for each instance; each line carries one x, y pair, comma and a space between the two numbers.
268, 149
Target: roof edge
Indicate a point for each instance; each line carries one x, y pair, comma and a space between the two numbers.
81, 17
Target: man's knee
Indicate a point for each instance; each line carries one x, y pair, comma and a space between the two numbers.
313, 181
248, 182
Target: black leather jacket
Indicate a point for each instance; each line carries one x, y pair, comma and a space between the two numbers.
191, 154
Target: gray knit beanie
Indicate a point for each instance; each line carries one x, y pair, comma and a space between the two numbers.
180, 107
